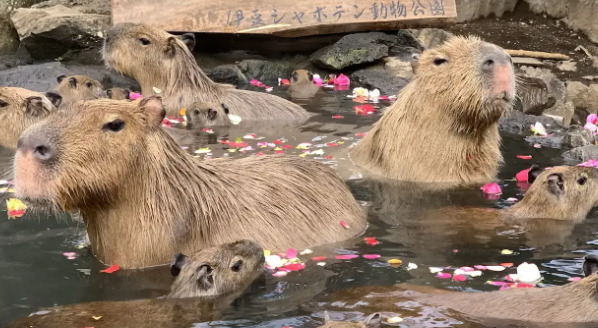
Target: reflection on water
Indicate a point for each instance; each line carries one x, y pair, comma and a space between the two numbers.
410, 223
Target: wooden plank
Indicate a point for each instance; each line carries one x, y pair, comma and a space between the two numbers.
284, 18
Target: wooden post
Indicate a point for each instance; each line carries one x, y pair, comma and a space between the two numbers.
284, 18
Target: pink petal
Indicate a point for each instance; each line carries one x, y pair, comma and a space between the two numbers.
134, 95
342, 80
498, 283
467, 269
496, 268
371, 256
443, 275
574, 279
280, 274
295, 266
480, 267
491, 189
346, 257
291, 253
69, 254
344, 224
459, 277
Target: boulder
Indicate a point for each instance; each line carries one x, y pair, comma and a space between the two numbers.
9, 39
582, 154
101, 7
355, 49
533, 96
432, 37
52, 32
264, 70
229, 74
584, 98
577, 136
578, 14
554, 8
518, 123
564, 111
379, 78
398, 67
468, 10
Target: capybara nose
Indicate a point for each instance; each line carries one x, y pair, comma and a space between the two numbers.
40, 146
496, 58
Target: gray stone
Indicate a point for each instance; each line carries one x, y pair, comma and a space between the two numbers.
101, 7
9, 39
50, 33
567, 66
564, 110
584, 98
379, 78
518, 123
553, 141
432, 37
533, 96
264, 70
468, 10
398, 67
229, 74
556, 87
355, 49
582, 154
577, 136
581, 14
554, 8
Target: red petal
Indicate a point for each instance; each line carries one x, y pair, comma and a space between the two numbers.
332, 144
522, 176
459, 277
277, 142
329, 157
338, 116
319, 258
524, 156
111, 269
287, 146
295, 266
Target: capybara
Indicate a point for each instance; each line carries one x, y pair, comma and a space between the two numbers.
111, 160
78, 88
157, 59
302, 84
205, 284
201, 115
443, 127
371, 321
118, 94
20, 108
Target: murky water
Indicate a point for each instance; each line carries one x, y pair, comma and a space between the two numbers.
34, 273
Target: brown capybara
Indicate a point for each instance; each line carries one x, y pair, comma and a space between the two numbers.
205, 284
78, 88
201, 115
443, 127
371, 321
302, 84
118, 94
20, 108
111, 160
157, 59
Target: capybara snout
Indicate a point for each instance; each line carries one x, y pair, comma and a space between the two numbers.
498, 70
39, 144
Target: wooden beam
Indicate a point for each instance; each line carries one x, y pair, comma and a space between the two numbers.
285, 18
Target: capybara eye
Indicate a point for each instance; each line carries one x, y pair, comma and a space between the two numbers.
237, 266
3, 103
114, 126
89, 84
440, 61
144, 41
582, 180
109, 93
196, 112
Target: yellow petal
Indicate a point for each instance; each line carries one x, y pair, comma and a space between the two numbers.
97, 318
183, 111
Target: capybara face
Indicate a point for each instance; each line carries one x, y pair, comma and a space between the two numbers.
301, 75
217, 270
370, 322
201, 115
78, 88
20, 108
118, 94
85, 150
475, 76
132, 48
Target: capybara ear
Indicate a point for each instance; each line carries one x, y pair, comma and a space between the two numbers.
205, 279
154, 110
533, 173
177, 265
590, 264
34, 106
73, 82
189, 40
54, 97
326, 316
226, 110
212, 114
373, 320
555, 184
415, 62
170, 46
310, 76
295, 76
60, 78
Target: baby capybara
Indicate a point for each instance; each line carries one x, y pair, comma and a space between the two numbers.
157, 59
20, 108
118, 94
443, 127
206, 283
201, 115
78, 88
143, 198
302, 84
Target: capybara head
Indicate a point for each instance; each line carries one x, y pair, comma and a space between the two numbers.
118, 94
84, 150
20, 108
201, 115
564, 192
217, 270
370, 322
473, 79
301, 75
133, 48
78, 88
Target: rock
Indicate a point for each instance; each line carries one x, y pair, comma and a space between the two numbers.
518, 123
407, 45
264, 70
567, 66
398, 67
355, 49
554, 8
100, 7
379, 78
9, 39
553, 141
584, 98
582, 154
229, 74
563, 110
556, 87
18, 58
533, 96
527, 61
581, 15
432, 37
577, 136
468, 10
52, 32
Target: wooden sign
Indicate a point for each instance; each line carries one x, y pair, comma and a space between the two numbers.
285, 18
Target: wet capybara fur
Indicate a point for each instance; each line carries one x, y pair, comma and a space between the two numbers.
144, 198
201, 115
118, 94
443, 127
370, 322
20, 108
216, 270
78, 88
302, 84
158, 59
